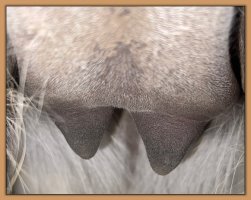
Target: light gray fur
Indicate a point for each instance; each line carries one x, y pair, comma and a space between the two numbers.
214, 166
156, 63
144, 61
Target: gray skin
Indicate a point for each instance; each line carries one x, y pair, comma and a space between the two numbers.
168, 66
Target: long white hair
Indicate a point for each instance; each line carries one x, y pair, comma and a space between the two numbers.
40, 161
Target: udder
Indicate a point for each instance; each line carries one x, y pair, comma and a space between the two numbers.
168, 66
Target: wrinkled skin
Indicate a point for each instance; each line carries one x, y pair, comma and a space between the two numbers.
168, 66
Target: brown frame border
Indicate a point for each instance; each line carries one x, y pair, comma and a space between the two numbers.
5, 3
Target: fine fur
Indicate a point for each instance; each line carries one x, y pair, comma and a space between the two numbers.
40, 160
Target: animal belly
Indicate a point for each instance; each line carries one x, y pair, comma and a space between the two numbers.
168, 66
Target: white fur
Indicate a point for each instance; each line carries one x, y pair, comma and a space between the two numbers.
40, 160
215, 165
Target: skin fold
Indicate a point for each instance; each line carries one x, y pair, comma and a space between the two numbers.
169, 67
